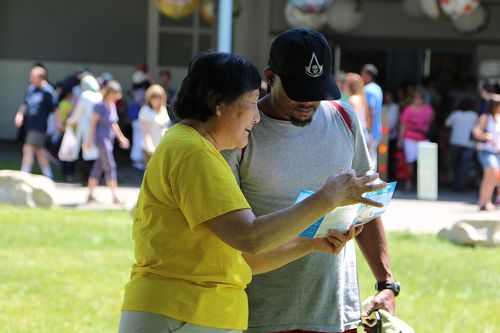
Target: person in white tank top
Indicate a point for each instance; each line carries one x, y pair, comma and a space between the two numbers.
154, 120
487, 130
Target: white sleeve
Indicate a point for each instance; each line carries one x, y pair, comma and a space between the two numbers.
145, 115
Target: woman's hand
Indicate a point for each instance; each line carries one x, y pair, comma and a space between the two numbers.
335, 241
344, 188
88, 145
124, 143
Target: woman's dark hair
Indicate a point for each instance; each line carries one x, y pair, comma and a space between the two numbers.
214, 78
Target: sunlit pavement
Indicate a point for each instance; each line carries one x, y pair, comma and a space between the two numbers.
405, 212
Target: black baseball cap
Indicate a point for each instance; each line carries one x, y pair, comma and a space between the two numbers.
303, 60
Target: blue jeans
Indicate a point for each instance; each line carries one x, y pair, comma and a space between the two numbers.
460, 159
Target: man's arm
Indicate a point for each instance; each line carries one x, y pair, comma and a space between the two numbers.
373, 244
19, 118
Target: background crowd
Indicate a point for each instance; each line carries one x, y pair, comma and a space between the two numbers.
73, 123
464, 122
410, 115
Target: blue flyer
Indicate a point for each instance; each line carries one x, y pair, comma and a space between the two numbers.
342, 217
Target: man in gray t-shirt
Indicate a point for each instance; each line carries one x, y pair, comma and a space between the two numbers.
297, 145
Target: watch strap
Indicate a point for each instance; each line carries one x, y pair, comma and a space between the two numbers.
392, 285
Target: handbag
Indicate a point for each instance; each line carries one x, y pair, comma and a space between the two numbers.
402, 170
68, 151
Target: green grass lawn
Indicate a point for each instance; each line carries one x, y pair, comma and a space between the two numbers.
64, 270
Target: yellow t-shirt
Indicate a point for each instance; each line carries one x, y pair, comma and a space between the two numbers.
182, 269
65, 108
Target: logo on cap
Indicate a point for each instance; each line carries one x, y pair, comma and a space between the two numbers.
314, 69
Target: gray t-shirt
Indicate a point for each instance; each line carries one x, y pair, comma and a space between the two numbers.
318, 292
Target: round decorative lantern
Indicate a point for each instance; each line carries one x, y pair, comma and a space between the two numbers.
207, 10
176, 9
297, 18
345, 15
312, 6
430, 8
458, 8
474, 22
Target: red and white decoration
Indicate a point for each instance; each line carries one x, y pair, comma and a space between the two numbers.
455, 9
312, 6
299, 19
473, 22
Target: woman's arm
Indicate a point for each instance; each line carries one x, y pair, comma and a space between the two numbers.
146, 136
94, 119
76, 114
479, 130
401, 137
243, 231
124, 143
298, 248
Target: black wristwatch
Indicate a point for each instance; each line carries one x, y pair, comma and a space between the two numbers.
395, 286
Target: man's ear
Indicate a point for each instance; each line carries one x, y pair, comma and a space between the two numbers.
269, 76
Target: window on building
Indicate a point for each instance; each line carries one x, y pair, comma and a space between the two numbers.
180, 40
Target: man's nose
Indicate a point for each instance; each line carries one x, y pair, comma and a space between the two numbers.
256, 117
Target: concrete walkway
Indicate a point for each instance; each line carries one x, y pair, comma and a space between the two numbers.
75, 196
405, 212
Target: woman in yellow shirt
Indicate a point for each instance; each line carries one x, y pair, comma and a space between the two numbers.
197, 242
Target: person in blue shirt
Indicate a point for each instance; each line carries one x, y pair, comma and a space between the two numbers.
374, 99
33, 113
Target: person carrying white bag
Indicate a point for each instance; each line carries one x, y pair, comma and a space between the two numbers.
80, 117
68, 151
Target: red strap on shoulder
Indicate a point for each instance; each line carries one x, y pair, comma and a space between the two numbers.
343, 113
338, 107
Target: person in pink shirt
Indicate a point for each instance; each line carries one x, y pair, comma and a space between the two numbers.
416, 121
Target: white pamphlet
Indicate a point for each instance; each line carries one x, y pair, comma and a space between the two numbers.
342, 217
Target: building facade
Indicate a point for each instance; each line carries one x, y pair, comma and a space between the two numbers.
113, 36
